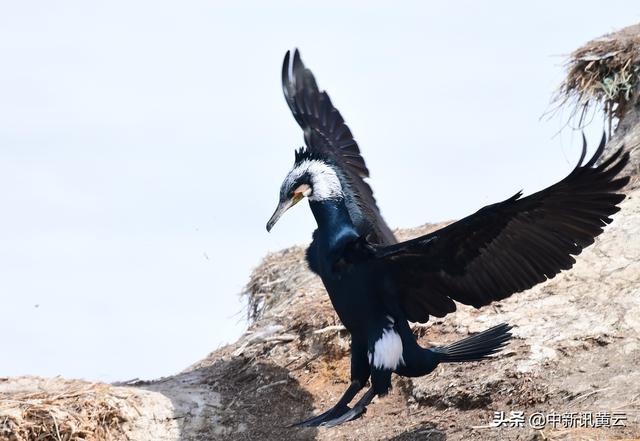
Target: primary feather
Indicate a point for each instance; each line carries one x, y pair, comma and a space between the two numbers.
328, 137
507, 247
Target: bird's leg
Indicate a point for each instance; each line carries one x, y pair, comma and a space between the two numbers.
336, 411
358, 410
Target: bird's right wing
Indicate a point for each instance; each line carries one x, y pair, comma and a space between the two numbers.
506, 247
328, 136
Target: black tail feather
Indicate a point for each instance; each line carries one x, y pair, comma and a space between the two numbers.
477, 347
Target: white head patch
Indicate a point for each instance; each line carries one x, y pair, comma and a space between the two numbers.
324, 180
387, 351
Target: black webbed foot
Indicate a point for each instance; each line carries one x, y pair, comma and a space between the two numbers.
358, 410
350, 415
336, 411
320, 420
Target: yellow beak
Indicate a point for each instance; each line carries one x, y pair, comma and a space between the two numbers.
282, 207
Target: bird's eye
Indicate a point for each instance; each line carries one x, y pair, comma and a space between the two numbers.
302, 190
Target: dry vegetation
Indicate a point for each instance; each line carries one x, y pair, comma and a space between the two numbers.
603, 72
61, 410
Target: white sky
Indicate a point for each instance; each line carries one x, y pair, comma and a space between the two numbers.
142, 146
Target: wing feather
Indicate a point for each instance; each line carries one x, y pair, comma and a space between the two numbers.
510, 246
327, 136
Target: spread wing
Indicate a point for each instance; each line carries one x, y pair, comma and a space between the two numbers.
506, 247
327, 136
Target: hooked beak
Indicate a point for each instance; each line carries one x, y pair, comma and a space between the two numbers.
282, 207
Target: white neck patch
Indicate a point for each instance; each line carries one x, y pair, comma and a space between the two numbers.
324, 180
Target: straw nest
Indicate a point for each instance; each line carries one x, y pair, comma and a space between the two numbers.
602, 74
60, 410
280, 275
284, 293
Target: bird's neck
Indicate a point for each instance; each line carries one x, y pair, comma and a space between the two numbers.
334, 222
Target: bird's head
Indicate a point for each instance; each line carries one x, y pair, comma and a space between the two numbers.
310, 177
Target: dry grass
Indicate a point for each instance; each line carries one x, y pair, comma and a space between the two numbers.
602, 74
61, 410
279, 275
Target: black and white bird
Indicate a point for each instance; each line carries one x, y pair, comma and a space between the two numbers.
377, 286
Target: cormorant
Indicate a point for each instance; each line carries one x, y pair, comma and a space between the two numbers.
377, 285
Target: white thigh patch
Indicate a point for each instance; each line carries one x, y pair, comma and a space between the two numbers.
387, 351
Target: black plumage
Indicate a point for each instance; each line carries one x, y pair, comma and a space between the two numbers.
506, 247
377, 285
327, 136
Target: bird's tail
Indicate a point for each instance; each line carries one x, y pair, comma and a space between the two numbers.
477, 347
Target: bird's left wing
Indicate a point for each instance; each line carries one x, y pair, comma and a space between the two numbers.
328, 136
506, 247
